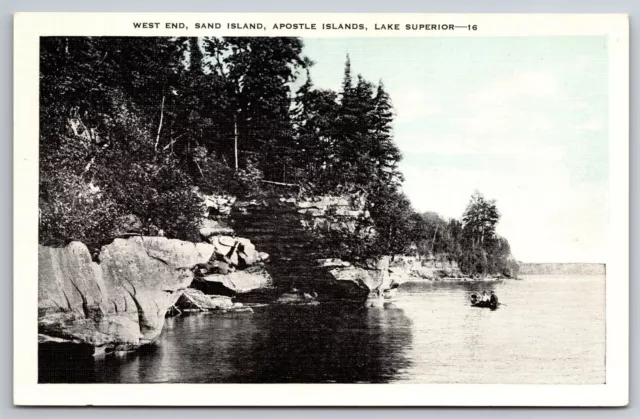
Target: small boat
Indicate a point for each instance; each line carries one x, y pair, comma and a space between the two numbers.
477, 302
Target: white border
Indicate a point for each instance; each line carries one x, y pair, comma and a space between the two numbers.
28, 27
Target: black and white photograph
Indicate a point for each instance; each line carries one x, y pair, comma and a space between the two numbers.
359, 208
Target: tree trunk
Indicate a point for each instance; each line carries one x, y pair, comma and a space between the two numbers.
235, 140
434, 238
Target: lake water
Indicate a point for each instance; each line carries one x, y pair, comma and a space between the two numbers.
550, 330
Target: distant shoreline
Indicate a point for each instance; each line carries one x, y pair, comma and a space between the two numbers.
562, 269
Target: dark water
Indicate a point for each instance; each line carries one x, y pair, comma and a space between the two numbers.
551, 330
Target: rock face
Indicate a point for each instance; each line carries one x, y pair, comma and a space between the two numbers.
233, 283
410, 268
194, 299
372, 278
235, 267
119, 303
289, 230
407, 268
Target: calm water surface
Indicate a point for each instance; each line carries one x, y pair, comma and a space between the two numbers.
551, 330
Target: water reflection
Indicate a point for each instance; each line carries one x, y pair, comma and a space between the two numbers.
330, 344
551, 330
287, 344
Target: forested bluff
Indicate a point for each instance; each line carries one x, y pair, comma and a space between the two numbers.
210, 163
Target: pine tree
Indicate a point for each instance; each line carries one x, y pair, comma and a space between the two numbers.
347, 82
257, 72
480, 219
315, 114
386, 153
353, 144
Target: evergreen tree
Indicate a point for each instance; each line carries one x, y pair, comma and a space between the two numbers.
359, 145
392, 214
128, 126
386, 154
347, 82
314, 117
480, 219
258, 72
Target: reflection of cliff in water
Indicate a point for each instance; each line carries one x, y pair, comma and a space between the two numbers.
332, 344
324, 343
431, 335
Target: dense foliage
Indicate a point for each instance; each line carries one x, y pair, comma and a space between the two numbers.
130, 126
470, 242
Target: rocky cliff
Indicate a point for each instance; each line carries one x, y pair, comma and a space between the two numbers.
292, 229
409, 268
119, 303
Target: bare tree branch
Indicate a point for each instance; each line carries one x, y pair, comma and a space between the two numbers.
159, 124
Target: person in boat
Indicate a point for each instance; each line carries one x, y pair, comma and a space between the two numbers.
485, 297
493, 299
474, 298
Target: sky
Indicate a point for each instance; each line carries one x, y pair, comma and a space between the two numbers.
521, 119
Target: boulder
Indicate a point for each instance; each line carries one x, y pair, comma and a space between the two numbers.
225, 249
372, 279
248, 259
235, 252
193, 299
366, 279
247, 252
223, 268
238, 282
119, 303
227, 241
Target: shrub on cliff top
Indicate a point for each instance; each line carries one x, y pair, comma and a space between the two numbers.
73, 208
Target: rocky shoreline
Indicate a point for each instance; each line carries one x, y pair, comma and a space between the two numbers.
119, 303
410, 268
118, 300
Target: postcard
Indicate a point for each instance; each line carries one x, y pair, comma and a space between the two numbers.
321, 209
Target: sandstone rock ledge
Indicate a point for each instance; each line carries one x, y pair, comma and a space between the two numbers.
234, 283
120, 303
195, 300
236, 267
371, 281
